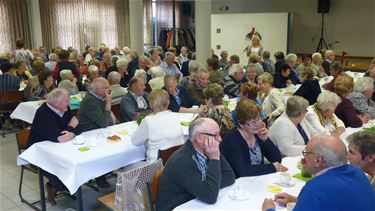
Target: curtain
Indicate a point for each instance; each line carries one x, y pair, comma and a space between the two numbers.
84, 22
14, 23
147, 22
164, 14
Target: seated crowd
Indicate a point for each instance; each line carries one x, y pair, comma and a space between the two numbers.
223, 145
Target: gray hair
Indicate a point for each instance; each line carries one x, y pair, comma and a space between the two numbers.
336, 67
201, 72
194, 126
364, 142
126, 50
169, 54
64, 74
141, 73
296, 105
114, 78
250, 67
327, 101
328, 53
266, 54
317, 54
120, 62
157, 71
193, 66
92, 70
235, 68
53, 57
290, 57
363, 84
56, 95
331, 156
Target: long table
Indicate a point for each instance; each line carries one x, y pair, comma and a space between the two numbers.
256, 186
74, 167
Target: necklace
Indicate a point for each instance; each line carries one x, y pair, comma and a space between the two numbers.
321, 119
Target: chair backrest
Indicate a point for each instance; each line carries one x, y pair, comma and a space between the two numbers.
11, 97
131, 187
153, 187
116, 111
22, 139
166, 153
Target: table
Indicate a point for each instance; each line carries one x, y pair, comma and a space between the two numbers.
25, 111
74, 167
257, 187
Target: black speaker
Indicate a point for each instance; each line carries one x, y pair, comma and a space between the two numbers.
186, 8
323, 6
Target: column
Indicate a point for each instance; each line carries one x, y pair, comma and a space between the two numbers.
203, 30
35, 24
136, 25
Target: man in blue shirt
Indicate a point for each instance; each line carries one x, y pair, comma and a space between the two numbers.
336, 185
169, 67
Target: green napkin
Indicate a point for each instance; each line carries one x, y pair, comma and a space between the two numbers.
299, 176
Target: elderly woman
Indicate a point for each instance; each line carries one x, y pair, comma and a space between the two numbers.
291, 132
250, 73
157, 74
254, 59
345, 111
310, 88
215, 109
232, 82
283, 77
245, 146
93, 72
291, 60
361, 96
362, 152
317, 65
193, 68
68, 82
335, 70
45, 85
272, 100
161, 129
321, 115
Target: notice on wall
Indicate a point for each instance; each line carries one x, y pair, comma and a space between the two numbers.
233, 32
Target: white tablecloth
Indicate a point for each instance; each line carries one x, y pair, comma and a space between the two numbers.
74, 167
257, 187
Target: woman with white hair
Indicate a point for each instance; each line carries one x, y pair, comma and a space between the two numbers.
68, 82
157, 81
291, 60
361, 96
232, 82
322, 116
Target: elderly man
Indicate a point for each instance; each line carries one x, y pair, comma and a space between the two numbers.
196, 170
179, 99
195, 87
117, 90
135, 101
335, 181
362, 152
223, 59
183, 55
168, 65
232, 82
317, 65
143, 63
329, 58
193, 68
54, 122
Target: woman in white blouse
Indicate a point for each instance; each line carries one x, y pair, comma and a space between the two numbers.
161, 129
272, 100
321, 115
291, 132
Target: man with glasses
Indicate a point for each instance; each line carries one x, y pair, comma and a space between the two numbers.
95, 112
196, 170
336, 185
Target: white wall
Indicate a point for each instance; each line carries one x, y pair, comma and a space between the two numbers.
272, 28
351, 22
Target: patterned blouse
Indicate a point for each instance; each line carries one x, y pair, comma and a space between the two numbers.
222, 116
362, 104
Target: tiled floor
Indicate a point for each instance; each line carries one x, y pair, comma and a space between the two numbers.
10, 174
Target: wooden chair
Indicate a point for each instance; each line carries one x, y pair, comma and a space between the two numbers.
116, 111
152, 189
166, 153
10, 98
22, 139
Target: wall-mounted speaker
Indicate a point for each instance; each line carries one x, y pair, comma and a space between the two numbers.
186, 8
323, 6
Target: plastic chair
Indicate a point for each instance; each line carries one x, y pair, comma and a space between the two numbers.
166, 153
10, 98
22, 139
131, 187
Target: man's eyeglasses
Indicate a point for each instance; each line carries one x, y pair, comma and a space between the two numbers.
305, 152
216, 136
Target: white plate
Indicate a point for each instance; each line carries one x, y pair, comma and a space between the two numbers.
239, 195
290, 184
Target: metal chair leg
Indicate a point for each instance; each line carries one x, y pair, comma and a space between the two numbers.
23, 200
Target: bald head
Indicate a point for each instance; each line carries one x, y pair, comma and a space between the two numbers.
100, 86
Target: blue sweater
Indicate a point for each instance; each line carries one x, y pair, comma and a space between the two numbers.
236, 151
342, 188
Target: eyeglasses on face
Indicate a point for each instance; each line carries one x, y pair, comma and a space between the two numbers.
216, 136
305, 152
